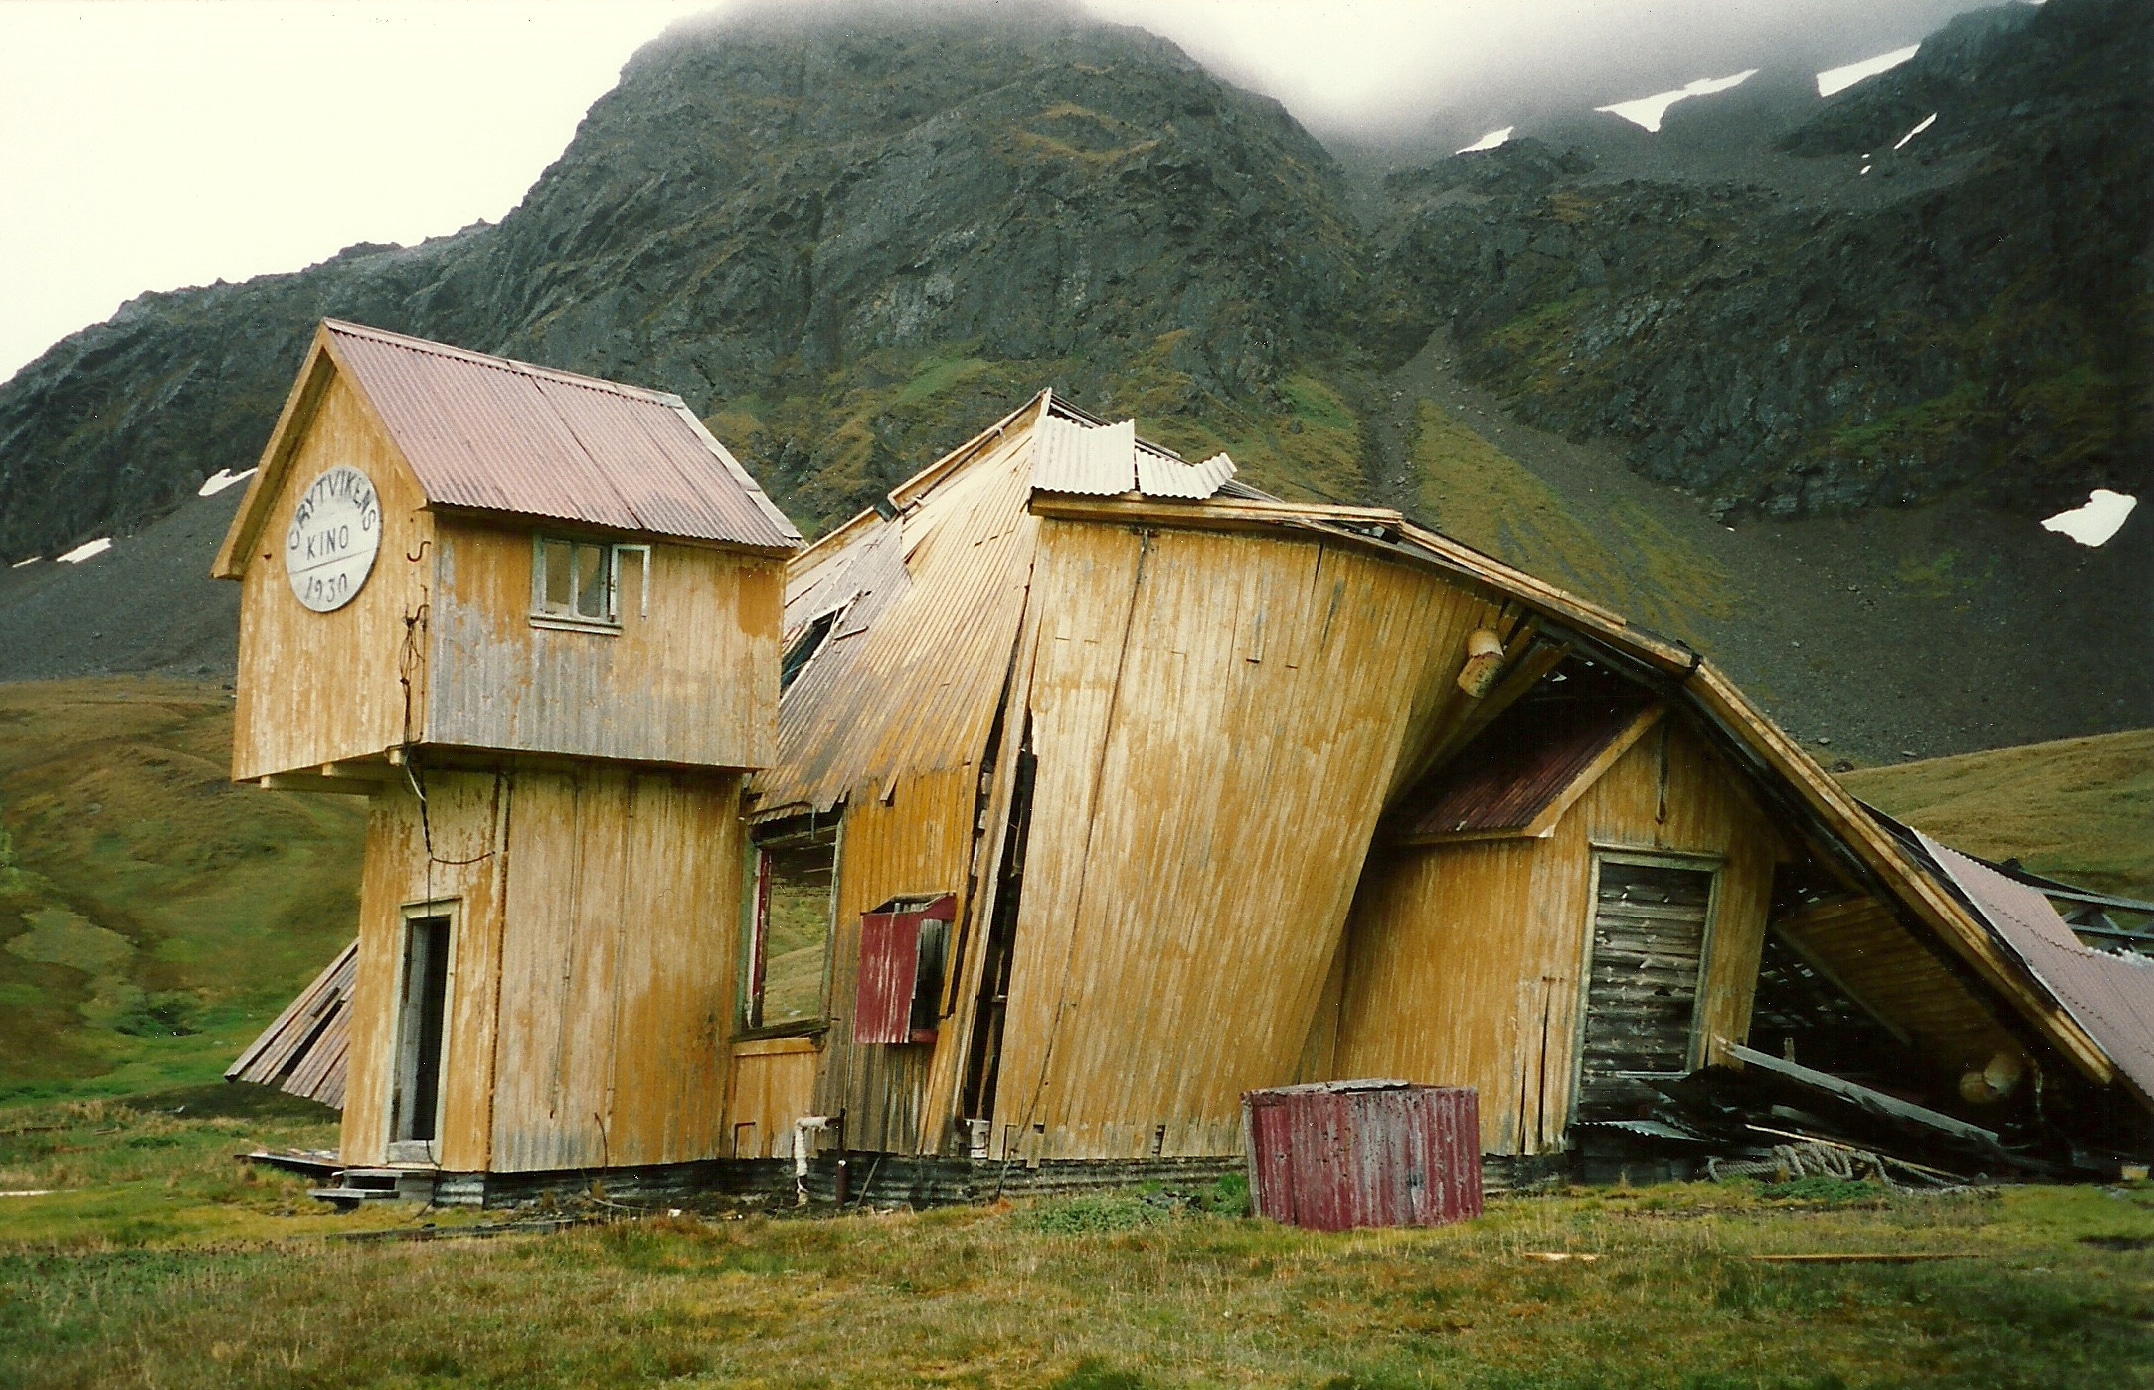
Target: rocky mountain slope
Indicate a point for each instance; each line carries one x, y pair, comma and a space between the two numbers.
1941, 280
849, 243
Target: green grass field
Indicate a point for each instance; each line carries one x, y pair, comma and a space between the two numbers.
162, 1262
2081, 809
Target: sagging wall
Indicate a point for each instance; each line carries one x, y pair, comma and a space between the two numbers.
1465, 963
689, 677
316, 688
917, 843
1217, 718
591, 980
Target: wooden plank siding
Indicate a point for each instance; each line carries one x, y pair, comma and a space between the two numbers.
1466, 963
317, 688
590, 992
773, 1086
1217, 718
693, 682
466, 813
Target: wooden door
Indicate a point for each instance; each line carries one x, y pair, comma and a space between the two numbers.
1649, 928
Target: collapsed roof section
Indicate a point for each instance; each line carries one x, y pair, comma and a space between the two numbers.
905, 622
2110, 995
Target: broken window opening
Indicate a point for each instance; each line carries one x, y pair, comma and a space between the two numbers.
789, 930
586, 582
984, 1056
805, 647
421, 1032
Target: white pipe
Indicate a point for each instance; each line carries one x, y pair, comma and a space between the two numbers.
803, 1146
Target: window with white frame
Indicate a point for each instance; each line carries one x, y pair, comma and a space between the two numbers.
588, 583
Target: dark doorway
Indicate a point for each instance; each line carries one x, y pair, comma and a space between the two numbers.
422, 1011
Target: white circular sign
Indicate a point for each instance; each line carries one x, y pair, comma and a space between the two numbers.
335, 532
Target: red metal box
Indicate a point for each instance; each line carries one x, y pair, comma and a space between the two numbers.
1341, 1154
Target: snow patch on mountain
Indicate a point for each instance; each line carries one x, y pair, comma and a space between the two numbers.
220, 480
1924, 124
1648, 111
2095, 520
1841, 78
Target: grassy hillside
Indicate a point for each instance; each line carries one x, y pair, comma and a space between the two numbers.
153, 917
2080, 809
1632, 562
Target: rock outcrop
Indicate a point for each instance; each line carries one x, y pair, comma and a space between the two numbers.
1861, 325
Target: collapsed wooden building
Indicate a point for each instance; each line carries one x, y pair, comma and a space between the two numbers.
1101, 790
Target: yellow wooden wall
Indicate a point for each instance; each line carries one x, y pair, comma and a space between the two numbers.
695, 682
469, 815
773, 1085
1217, 717
593, 965
1465, 962
315, 687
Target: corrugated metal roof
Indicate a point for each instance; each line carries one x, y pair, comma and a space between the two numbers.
495, 435
2110, 996
1163, 477
1515, 767
1091, 461
1096, 460
304, 1051
910, 675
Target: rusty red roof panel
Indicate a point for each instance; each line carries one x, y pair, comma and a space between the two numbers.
2112, 997
491, 434
1515, 767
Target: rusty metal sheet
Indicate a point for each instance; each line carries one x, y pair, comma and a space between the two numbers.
2110, 996
491, 434
1515, 767
1338, 1155
889, 960
303, 1051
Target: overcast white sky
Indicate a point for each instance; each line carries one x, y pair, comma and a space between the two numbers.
153, 144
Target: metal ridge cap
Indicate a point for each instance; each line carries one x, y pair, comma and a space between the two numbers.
497, 362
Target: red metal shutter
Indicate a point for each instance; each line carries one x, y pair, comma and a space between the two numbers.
889, 968
888, 987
